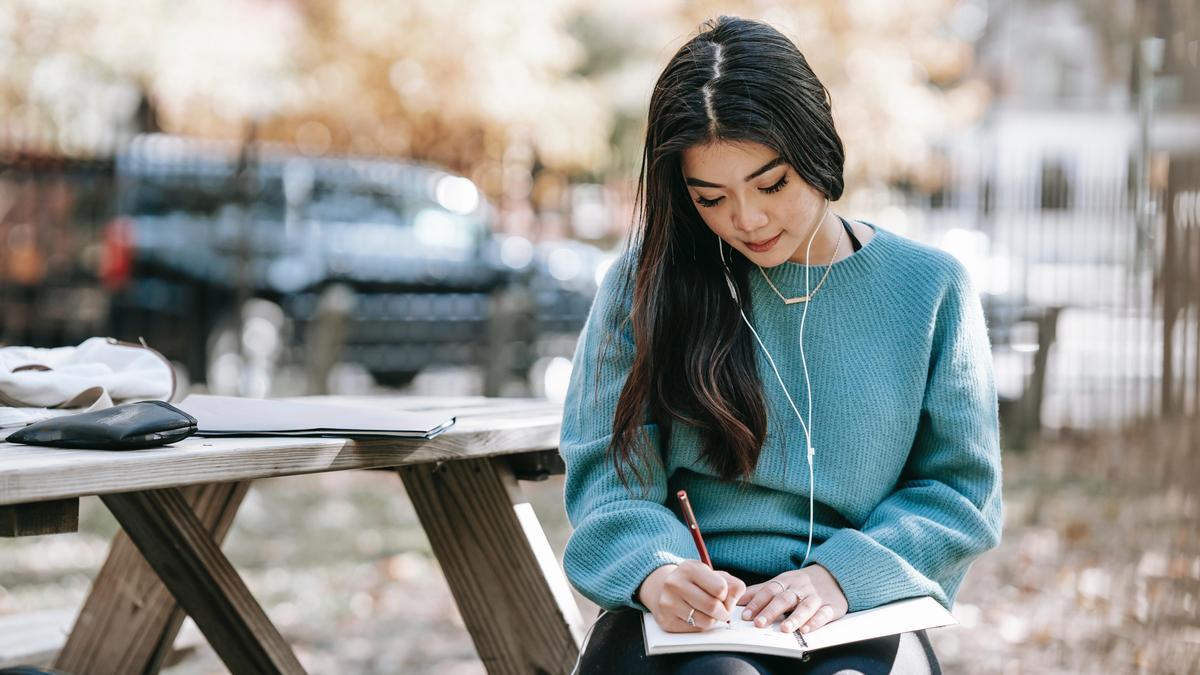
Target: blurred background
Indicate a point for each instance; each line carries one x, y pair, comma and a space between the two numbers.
420, 196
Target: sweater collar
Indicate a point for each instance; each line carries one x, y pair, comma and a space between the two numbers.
789, 276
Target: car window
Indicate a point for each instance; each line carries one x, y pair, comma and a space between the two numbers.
166, 193
330, 193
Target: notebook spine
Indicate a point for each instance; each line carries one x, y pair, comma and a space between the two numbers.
804, 651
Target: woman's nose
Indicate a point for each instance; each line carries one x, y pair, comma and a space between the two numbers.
749, 220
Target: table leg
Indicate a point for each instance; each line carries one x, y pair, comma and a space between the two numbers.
129, 620
53, 517
191, 565
507, 583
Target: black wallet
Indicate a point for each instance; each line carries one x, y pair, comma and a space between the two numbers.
129, 426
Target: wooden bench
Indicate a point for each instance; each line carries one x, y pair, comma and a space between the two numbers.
176, 504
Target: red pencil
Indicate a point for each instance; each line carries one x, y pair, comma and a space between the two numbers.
693, 526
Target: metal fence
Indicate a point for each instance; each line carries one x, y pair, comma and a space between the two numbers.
1093, 303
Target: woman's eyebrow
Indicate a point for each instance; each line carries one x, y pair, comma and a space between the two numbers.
757, 172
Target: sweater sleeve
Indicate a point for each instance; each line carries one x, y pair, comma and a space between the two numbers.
946, 508
620, 534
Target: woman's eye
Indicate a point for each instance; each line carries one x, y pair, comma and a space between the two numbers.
776, 187
708, 203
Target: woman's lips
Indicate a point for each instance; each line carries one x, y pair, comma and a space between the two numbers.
764, 246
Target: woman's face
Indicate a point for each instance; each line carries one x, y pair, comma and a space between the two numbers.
754, 200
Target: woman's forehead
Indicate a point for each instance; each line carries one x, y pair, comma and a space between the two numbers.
726, 162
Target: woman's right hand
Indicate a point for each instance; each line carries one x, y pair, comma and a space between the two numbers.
672, 591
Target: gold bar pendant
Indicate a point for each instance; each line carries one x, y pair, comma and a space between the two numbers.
792, 301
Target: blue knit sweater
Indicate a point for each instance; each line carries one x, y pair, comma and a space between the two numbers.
904, 427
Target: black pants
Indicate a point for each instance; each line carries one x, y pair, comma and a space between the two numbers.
616, 646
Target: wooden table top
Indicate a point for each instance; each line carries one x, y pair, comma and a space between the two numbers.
485, 427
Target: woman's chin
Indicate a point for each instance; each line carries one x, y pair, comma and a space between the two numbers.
776, 256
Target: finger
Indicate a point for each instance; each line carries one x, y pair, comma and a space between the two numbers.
674, 624
793, 594
705, 604
775, 608
737, 588
707, 579
806, 610
754, 601
749, 593
683, 596
764, 595
824, 615
701, 619
686, 590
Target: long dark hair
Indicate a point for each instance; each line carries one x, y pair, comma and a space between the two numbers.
737, 80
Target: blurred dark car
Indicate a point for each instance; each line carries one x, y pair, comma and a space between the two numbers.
391, 265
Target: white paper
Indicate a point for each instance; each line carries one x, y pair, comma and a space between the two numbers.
898, 617
233, 416
738, 636
743, 636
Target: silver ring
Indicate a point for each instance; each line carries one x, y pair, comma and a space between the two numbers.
690, 620
782, 588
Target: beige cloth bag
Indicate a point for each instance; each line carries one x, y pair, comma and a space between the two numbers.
39, 383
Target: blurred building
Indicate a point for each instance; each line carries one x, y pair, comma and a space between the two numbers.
1055, 198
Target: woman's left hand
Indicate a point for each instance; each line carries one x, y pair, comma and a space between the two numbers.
810, 598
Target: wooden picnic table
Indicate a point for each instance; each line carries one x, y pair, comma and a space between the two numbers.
175, 504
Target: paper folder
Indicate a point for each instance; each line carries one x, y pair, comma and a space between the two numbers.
234, 416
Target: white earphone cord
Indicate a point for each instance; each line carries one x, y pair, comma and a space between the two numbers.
812, 483
807, 436
808, 383
586, 636
807, 427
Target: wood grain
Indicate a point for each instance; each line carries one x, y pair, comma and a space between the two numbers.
190, 564
129, 621
484, 428
509, 588
53, 517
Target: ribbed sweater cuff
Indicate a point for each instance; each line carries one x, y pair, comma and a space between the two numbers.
616, 585
869, 573
639, 573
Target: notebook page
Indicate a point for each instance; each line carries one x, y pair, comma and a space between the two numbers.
898, 617
736, 637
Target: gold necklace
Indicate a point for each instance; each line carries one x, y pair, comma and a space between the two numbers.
806, 298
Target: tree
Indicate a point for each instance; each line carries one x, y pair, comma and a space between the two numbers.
898, 76
490, 89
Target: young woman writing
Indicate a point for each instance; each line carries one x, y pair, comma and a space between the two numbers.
820, 387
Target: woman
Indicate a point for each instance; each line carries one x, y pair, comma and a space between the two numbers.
840, 452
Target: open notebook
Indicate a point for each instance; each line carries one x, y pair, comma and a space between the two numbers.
233, 416
743, 636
